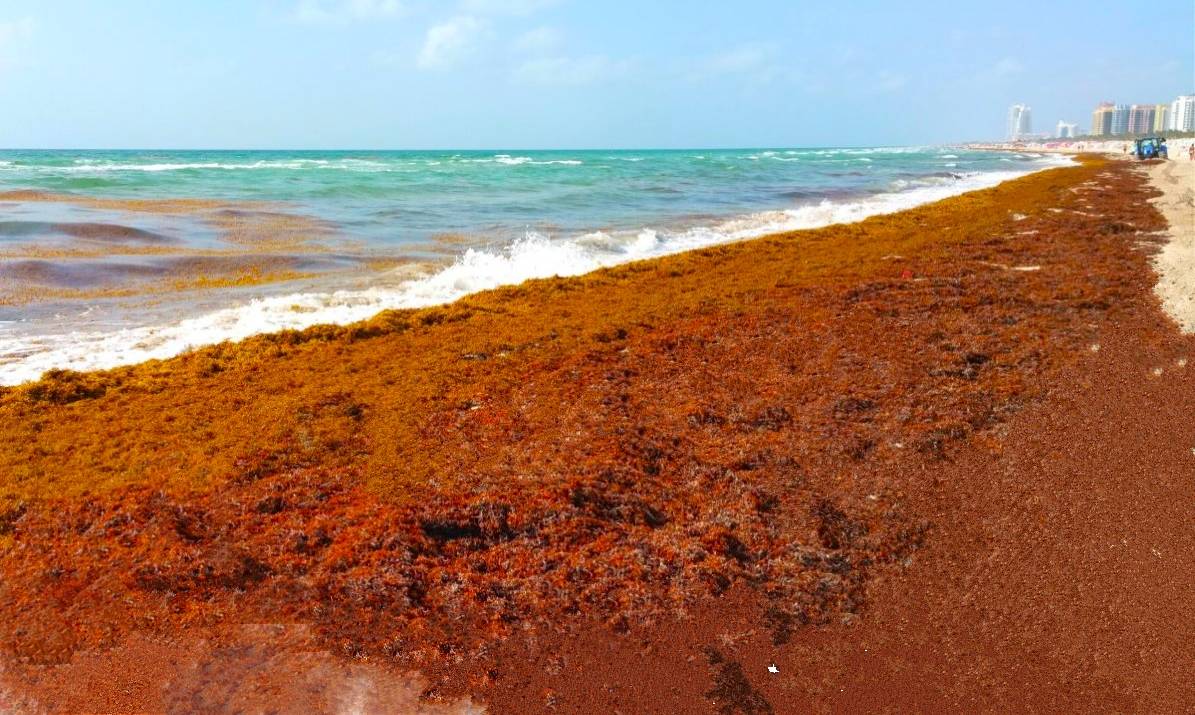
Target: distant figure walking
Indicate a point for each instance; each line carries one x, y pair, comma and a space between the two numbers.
1191, 152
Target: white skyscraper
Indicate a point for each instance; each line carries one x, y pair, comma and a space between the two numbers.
1181, 117
1020, 122
1066, 130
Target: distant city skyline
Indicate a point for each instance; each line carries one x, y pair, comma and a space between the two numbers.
1112, 119
1109, 119
567, 73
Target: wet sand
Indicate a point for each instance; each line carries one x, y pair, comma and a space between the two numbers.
885, 457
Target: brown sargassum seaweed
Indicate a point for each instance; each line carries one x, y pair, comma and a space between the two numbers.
618, 446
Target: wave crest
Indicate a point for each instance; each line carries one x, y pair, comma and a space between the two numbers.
533, 256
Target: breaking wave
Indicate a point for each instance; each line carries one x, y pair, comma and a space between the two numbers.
535, 255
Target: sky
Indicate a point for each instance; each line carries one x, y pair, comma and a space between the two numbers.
461, 74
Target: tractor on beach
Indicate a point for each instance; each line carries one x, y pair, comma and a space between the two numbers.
1150, 148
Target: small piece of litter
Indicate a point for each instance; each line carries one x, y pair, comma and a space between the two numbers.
1157, 372
773, 669
1181, 362
1095, 347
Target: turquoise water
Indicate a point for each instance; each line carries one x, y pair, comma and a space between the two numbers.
396, 197
88, 284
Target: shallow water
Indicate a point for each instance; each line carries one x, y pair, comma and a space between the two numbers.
118, 270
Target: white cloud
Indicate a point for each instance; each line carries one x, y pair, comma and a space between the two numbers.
13, 34
450, 41
15, 30
540, 40
320, 12
570, 71
507, 7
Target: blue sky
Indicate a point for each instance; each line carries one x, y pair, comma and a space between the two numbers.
570, 73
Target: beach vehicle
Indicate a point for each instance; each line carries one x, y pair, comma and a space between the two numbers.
1150, 148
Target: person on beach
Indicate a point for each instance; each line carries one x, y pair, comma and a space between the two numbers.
1191, 152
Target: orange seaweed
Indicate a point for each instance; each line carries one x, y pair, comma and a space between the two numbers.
621, 444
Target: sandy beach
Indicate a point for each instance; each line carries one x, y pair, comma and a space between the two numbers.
1176, 147
938, 460
1175, 264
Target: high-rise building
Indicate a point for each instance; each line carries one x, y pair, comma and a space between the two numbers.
1161, 115
1066, 130
1101, 120
1182, 114
1120, 120
1020, 122
1141, 118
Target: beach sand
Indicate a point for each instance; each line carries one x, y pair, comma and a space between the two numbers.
1175, 264
1119, 147
877, 457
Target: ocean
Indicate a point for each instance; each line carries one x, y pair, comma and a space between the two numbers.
115, 257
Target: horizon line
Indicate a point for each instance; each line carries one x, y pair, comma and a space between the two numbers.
503, 149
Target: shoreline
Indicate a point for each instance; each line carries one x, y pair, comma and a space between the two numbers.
1177, 148
772, 451
535, 256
